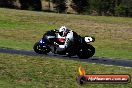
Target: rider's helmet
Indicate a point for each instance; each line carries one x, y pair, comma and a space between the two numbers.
63, 31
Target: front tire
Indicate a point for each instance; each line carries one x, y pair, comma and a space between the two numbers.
41, 49
86, 52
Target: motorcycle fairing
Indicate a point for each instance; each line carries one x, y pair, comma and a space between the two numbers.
41, 41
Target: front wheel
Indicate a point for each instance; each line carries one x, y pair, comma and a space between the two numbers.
41, 49
86, 51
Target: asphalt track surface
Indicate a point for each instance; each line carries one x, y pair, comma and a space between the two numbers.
106, 61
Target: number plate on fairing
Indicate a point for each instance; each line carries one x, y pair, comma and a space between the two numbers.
88, 39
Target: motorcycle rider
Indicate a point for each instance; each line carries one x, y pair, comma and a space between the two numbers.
67, 34
69, 37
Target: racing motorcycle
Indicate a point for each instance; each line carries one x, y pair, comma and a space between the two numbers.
81, 47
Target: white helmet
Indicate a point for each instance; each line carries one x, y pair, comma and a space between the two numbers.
63, 31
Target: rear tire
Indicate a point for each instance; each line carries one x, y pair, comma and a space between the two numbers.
86, 52
41, 49
72, 51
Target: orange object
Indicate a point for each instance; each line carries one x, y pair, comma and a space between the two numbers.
81, 71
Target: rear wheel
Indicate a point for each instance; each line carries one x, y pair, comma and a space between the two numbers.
41, 49
86, 51
71, 51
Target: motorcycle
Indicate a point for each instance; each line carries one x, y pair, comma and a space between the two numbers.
81, 47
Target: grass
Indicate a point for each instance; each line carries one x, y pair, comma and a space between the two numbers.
43, 72
20, 29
